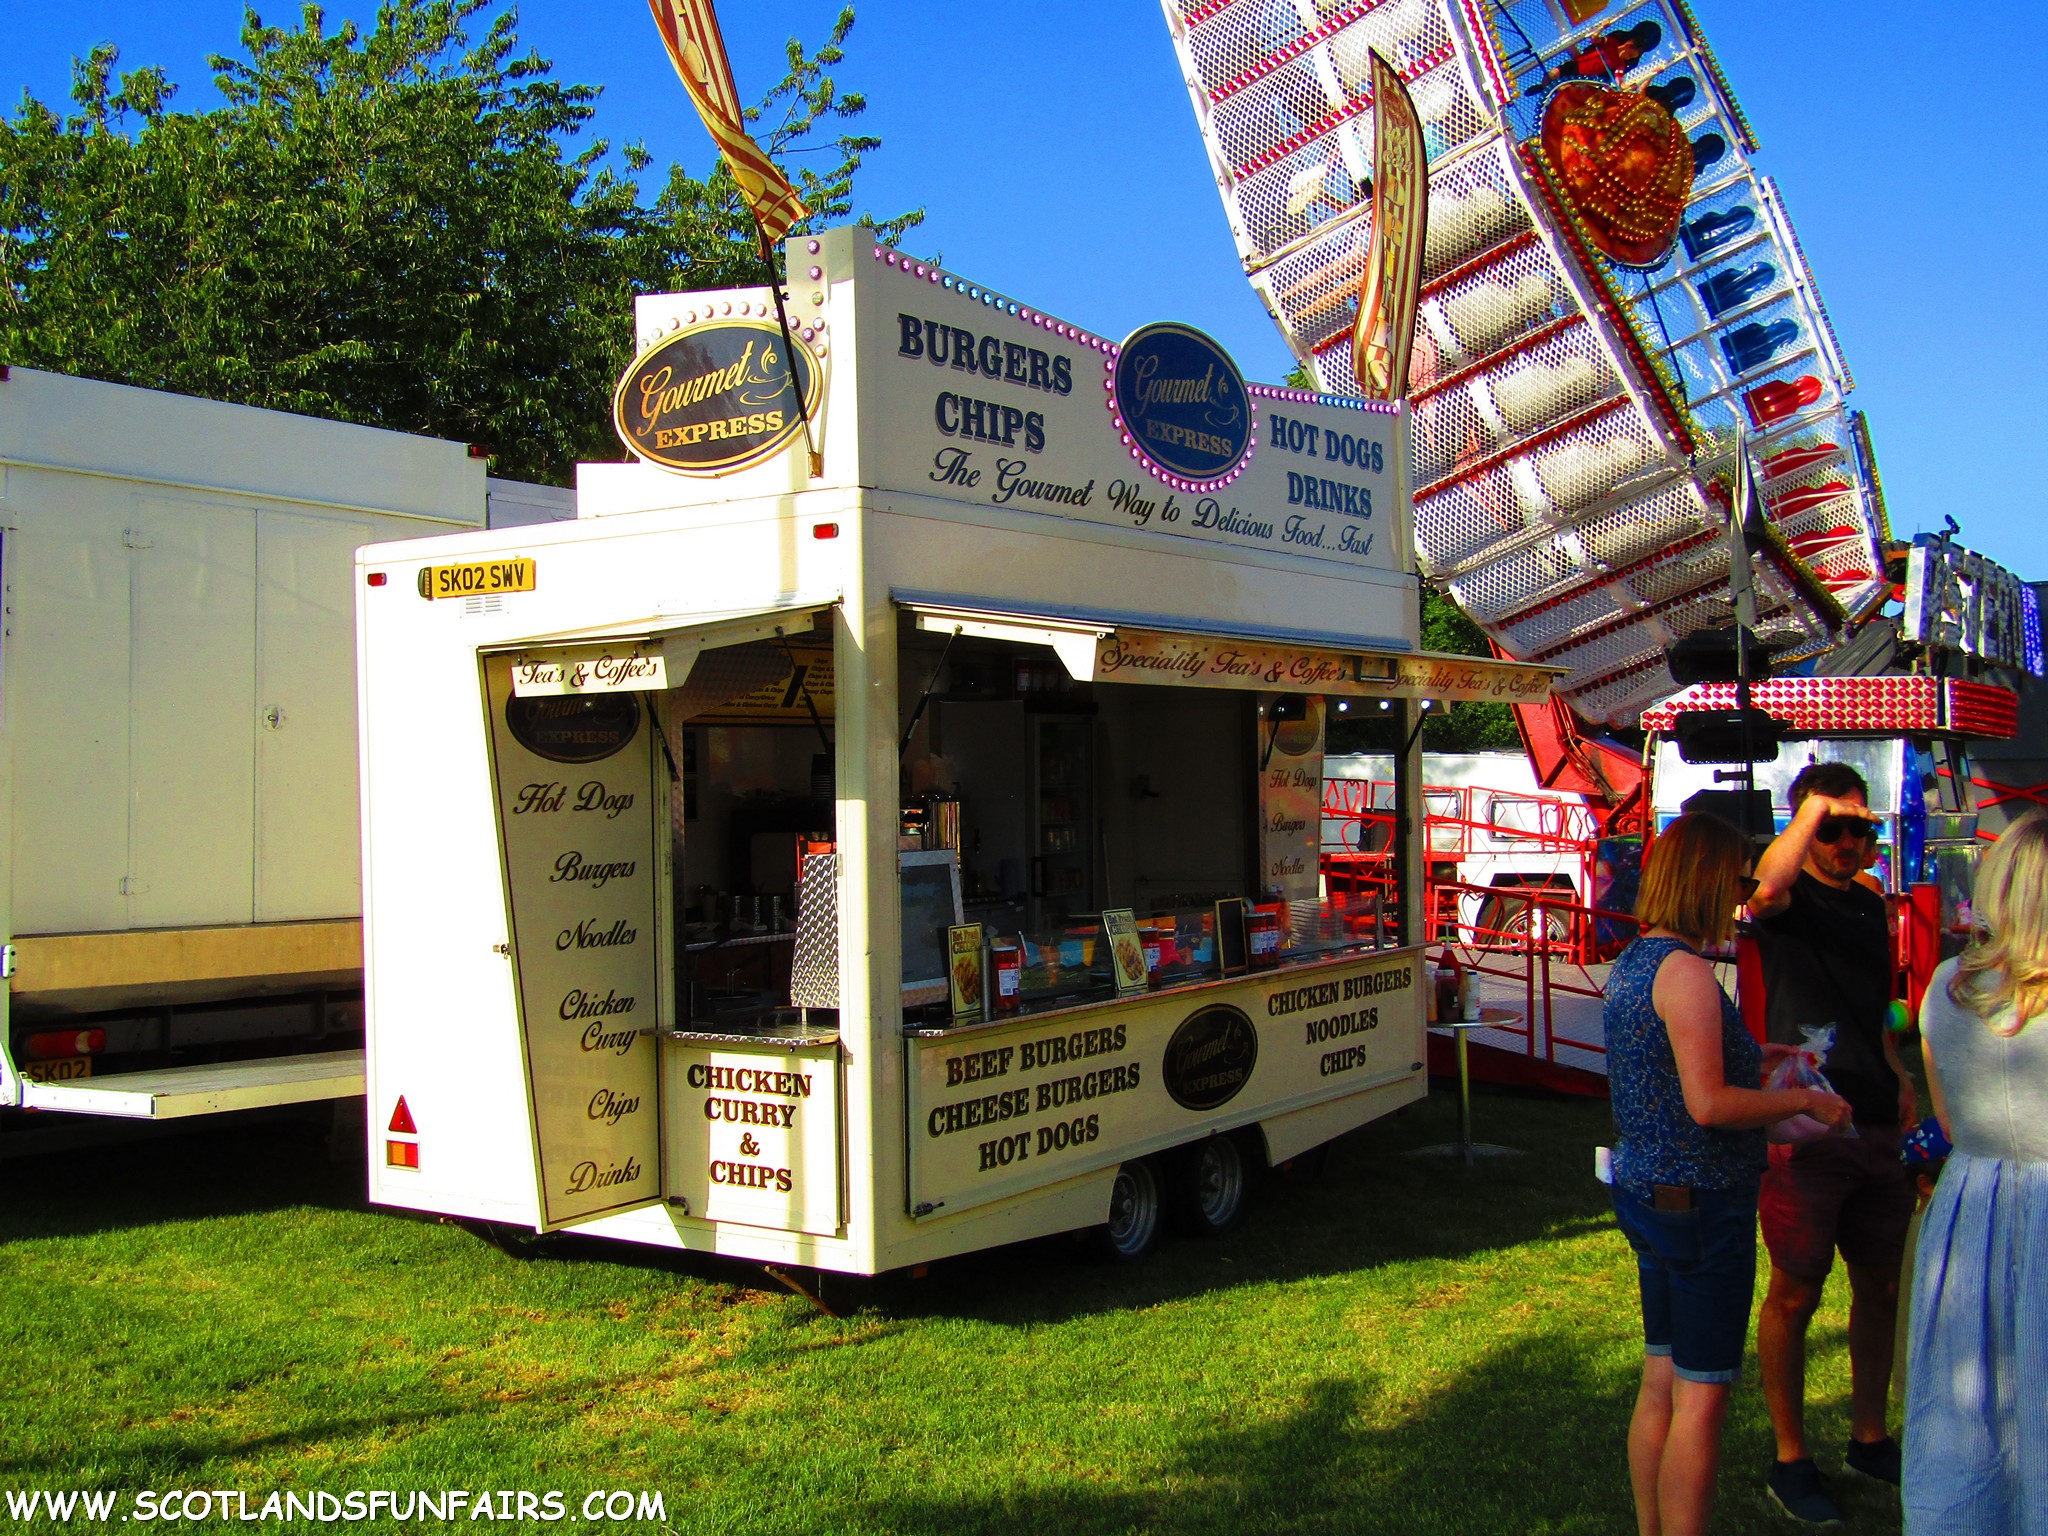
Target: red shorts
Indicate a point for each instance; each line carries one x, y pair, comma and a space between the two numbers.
1846, 1192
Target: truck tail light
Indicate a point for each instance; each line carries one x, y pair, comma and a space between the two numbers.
401, 1154
53, 1044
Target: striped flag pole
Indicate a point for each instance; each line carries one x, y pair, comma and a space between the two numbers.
689, 30
1384, 333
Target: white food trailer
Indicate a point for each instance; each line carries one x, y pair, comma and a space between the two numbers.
676, 849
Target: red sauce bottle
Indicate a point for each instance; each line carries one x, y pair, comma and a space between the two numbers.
1008, 958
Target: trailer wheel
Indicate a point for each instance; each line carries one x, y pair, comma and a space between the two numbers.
1211, 1186
1134, 1215
1551, 928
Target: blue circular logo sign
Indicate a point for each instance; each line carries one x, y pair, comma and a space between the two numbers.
1181, 403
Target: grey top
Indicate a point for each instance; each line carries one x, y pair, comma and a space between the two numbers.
1994, 1087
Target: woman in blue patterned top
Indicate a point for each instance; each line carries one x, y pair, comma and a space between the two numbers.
1690, 1158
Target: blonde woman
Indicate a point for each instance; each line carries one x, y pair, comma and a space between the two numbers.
1977, 1388
1684, 1077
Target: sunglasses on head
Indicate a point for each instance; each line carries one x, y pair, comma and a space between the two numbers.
1833, 829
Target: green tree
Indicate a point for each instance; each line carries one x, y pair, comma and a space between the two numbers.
1466, 727
388, 226
1471, 726
707, 222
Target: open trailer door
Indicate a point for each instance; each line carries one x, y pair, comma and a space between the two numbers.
583, 774
582, 800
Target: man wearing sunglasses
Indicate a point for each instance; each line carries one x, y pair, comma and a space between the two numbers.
1825, 942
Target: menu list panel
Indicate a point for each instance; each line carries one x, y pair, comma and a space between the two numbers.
579, 819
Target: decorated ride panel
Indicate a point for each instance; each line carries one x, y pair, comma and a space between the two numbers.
1861, 706
1589, 332
1960, 601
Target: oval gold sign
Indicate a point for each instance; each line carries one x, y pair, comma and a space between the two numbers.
1210, 1057
573, 728
714, 398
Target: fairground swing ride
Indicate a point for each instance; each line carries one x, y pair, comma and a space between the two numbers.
1611, 294
1613, 310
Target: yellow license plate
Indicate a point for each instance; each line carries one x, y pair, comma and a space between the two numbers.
477, 578
62, 1070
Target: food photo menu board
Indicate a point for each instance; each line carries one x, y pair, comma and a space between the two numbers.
578, 809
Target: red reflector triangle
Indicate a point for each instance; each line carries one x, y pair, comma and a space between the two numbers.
401, 1119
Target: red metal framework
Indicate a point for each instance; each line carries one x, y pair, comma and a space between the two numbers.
1545, 949
1568, 761
1555, 823
2023, 797
1461, 823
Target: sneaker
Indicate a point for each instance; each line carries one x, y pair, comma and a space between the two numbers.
1879, 1459
1797, 1489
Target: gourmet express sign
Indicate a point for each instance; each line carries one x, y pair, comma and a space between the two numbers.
714, 398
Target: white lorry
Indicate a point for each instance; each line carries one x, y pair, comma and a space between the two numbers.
180, 886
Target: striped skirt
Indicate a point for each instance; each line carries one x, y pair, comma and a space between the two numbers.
1976, 1438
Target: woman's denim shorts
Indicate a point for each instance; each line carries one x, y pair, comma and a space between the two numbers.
1698, 1274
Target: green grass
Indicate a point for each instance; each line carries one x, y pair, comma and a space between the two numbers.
1405, 1347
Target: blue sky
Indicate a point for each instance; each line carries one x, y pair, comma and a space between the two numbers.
1056, 153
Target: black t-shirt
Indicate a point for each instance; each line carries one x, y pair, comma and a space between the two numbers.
1827, 959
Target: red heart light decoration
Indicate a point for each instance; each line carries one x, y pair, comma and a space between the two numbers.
1625, 166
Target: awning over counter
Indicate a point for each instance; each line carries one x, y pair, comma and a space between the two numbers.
1147, 649
647, 656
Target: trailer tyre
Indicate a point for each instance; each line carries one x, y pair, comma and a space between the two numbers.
1211, 1186
1134, 1214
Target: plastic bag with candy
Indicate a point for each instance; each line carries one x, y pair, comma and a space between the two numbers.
1801, 1069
